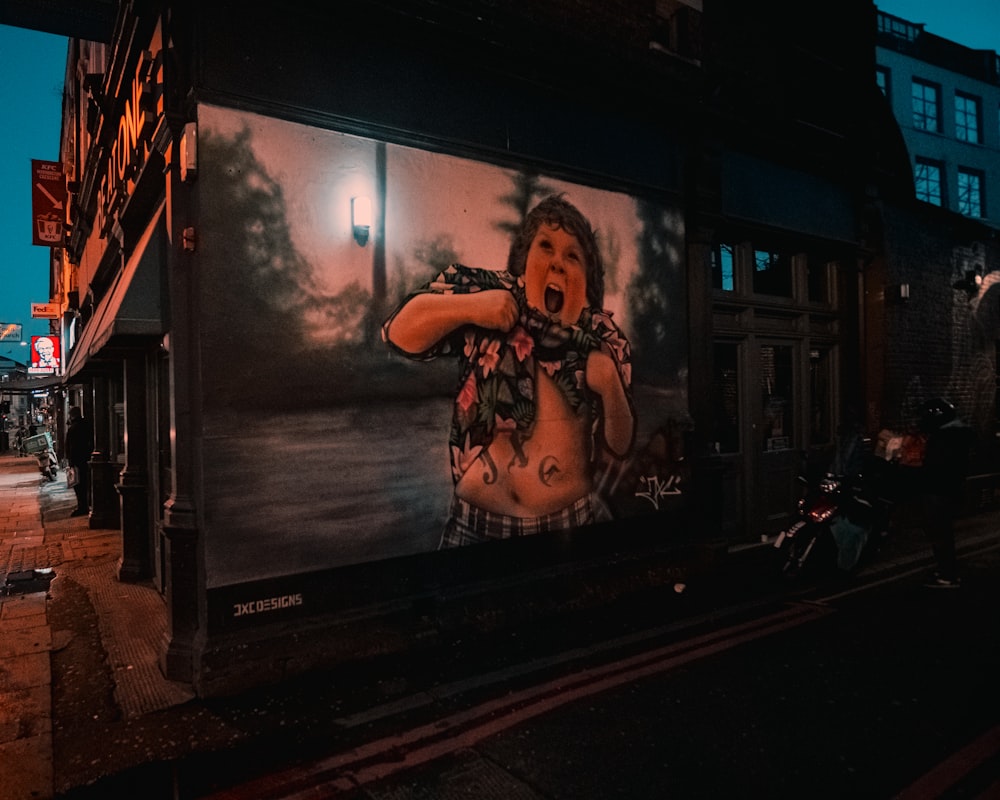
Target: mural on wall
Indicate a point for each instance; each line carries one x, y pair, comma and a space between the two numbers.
403, 350
545, 385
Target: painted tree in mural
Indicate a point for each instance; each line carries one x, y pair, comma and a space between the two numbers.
427, 259
527, 190
252, 266
657, 299
435, 254
255, 284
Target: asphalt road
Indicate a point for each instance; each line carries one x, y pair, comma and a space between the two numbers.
874, 687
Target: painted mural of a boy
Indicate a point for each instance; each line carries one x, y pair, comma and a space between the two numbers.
545, 379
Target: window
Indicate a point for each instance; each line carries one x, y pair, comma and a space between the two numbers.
722, 267
727, 398
925, 106
927, 178
897, 27
967, 118
777, 369
772, 273
970, 193
882, 80
820, 397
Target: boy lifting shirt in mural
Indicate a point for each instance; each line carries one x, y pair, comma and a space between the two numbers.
545, 380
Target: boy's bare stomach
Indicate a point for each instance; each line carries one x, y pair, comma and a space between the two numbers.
539, 475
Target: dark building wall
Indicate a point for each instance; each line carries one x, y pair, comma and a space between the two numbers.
569, 89
538, 88
941, 339
509, 85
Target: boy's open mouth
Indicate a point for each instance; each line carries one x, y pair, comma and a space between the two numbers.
554, 299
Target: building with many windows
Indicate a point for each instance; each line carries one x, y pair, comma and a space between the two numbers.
946, 98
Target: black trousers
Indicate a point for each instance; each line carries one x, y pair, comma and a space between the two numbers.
939, 524
82, 487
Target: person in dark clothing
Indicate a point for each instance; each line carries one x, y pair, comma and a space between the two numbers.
79, 446
942, 479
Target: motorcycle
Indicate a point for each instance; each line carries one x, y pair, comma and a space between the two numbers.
44, 451
839, 519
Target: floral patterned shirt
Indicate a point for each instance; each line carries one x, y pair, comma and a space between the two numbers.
497, 384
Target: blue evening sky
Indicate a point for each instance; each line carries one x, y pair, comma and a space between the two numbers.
32, 65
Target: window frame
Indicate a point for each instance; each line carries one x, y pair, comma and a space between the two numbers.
967, 105
929, 163
883, 79
803, 277
964, 206
722, 252
772, 271
921, 116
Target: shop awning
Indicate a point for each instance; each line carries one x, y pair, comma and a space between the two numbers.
133, 306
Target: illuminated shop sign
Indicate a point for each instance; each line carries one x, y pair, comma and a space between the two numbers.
48, 202
131, 146
45, 355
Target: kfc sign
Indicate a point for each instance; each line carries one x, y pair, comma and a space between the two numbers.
48, 202
45, 355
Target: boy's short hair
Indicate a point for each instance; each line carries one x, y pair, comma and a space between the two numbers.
554, 210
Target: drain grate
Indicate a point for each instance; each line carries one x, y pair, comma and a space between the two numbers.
27, 581
30, 557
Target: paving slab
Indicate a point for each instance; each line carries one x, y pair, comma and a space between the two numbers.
25, 712
20, 606
24, 640
26, 767
25, 671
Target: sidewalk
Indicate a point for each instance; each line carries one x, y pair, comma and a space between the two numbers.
25, 639
61, 608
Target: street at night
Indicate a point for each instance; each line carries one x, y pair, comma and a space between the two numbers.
869, 687
436, 399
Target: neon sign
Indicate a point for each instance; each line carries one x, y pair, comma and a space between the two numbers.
130, 148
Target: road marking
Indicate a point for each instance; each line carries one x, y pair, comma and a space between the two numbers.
384, 757
893, 574
950, 771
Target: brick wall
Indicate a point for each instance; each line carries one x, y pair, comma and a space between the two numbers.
942, 340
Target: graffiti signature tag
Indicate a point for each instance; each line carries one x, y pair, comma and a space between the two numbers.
657, 488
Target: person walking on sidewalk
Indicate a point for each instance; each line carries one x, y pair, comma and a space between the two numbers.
942, 480
79, 446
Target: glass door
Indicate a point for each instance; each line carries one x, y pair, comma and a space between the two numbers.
729, 398
776, 437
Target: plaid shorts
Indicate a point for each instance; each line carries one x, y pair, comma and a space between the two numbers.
468, 524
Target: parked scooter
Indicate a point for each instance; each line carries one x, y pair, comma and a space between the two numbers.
841, 517
44, 451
